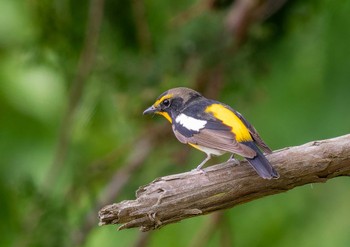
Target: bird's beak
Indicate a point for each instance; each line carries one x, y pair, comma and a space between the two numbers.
150, 110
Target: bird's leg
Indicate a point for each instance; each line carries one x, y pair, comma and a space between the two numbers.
233, 160
199, 167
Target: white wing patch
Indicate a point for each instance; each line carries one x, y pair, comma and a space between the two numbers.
190, 122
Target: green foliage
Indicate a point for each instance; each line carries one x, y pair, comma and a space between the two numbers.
290, 79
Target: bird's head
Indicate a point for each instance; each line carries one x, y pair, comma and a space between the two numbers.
170, 103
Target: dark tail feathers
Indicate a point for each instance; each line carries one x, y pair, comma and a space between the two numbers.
260, 164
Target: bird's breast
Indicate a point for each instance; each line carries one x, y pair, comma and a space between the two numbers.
208, 151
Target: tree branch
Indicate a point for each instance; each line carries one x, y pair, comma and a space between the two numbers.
84, 68
176, 197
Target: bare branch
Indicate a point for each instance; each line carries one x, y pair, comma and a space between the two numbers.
141, 24
243, 13
176, 197
84, 68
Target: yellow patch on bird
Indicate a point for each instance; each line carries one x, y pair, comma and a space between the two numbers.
165, 114
167, 96
195, 146
230, 119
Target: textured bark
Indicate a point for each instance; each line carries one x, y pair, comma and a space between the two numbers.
176, 197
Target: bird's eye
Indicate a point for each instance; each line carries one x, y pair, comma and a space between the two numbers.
166, 103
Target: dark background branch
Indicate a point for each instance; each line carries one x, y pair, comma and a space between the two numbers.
84, 68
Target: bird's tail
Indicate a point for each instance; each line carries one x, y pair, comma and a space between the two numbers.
260, 164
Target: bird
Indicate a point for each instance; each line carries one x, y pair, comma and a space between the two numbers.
213, 128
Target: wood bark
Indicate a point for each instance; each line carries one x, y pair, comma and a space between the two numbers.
176, 197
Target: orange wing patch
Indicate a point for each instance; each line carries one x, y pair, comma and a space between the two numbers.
230, 119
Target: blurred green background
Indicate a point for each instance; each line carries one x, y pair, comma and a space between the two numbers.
75, 77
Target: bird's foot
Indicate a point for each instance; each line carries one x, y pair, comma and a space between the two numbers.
233, 161
199, 170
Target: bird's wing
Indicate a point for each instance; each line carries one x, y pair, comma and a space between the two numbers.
214, 135
254, 133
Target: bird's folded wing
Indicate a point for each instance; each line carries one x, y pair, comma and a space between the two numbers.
217, 139
254, 133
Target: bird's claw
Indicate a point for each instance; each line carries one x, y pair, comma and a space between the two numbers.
200, 170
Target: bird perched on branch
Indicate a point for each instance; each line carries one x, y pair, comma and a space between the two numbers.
212, 127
